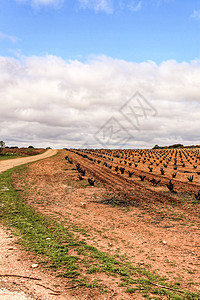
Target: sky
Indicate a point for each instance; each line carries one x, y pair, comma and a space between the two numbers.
99, 73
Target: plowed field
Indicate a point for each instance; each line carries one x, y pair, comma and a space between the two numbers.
123, 216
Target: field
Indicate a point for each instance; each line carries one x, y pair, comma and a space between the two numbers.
11, 153
127, 236
182, 167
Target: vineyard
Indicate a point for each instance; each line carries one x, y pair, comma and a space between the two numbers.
128, 221
159, 175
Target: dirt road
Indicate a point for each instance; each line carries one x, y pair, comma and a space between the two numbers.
15, 264
11, 163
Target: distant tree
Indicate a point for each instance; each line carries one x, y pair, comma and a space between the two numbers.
169, 147
176, 146
2, 145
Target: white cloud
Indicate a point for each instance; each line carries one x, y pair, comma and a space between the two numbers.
98, 5
135, 6
46, 2
40, 3
49, 101
11, 38
161, 2
196, 15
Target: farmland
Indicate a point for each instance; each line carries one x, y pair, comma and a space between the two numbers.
131, 234
15, 152
151, 170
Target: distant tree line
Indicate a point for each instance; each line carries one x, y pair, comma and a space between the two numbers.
175, 146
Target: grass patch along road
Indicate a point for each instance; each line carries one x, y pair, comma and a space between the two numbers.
9, 156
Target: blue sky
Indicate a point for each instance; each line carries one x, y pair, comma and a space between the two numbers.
67, 67
131, 30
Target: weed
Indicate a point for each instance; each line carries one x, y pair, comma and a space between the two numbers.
131, 290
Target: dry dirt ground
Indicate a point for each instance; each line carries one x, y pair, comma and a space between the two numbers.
15, 264
156, 234
18, 280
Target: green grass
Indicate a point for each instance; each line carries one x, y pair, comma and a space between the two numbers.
8, 156
52, 243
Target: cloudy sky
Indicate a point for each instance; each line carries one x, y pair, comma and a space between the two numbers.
99, 73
